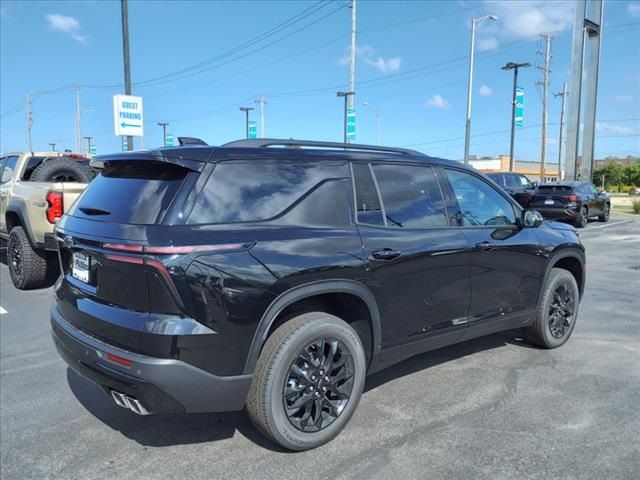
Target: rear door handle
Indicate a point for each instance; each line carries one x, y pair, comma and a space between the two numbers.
386, 254
485, 246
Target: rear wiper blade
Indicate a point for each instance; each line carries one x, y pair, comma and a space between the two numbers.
94, 211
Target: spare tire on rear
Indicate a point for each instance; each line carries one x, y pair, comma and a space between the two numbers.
62, 170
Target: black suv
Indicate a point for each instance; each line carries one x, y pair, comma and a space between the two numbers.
204, 279
518, 186
573, 201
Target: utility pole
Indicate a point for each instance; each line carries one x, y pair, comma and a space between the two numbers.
125, 53
563, 94
78, 131
377, 112
164, 132
513, 66
475, 22
352, 67
29, 122
545, 86
260, 101
88, 139
53, 147
346, 96
246, 110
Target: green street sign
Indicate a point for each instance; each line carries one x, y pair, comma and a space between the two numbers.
92, 150
519, 118
169, 139
351, 124
252, 130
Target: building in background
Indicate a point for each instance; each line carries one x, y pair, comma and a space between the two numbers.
501, 164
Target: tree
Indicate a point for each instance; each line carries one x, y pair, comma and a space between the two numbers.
632, 174
613, 174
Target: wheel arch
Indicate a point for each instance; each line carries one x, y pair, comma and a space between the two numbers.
312, 290
14, 217
573, 261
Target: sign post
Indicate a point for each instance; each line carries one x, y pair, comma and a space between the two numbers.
252, 129
351, 125
519, 117
127, 115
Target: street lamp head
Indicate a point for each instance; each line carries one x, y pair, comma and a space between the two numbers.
246, 109
493, 17
344, 94
365, 103
512, 65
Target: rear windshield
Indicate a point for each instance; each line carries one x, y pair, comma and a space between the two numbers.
559, 189
131, 192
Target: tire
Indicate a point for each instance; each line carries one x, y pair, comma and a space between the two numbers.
583, 218
27, 267
605, 215
276, 371
541, 332
62, 170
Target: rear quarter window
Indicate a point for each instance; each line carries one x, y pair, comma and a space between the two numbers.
259, 190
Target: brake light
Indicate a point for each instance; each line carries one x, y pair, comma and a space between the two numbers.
573, 198
56, 207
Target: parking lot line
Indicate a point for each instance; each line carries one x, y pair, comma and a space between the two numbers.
604, 226
2, 310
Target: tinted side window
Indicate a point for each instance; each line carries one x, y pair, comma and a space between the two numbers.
411, 196
498, 178
259, 190
512, 181
368, 208
9, 167
478, 202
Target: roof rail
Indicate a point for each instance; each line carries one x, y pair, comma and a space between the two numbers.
291, 143
190, 141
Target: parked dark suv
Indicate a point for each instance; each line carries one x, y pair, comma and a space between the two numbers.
203, 279
573, 201
516, 184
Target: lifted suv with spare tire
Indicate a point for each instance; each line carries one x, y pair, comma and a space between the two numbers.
277, 274
35, 189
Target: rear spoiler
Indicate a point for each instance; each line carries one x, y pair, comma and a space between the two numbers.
191, 158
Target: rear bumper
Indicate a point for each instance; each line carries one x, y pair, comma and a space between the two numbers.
557, 213
160, 385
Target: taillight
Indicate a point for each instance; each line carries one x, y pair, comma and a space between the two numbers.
173, 250
573, 198
56, 207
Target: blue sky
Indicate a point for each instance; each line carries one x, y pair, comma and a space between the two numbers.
412, 65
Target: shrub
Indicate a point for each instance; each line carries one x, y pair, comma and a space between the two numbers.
636, 206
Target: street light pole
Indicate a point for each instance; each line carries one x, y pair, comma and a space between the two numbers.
474, 28
125, 54
564, 96
513, 66
164, 131
377, 112
346, 96
53, 147
246, 110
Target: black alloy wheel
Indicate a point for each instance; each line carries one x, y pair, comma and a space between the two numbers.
583, 218
15, 257
561, 311
318, 385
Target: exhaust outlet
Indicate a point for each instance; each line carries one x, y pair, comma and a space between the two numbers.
130, 403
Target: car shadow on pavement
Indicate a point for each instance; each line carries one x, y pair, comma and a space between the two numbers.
165, 430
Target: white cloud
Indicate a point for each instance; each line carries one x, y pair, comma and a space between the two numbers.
65, 24
523, 19
487, 43
365, 53
603, 127
485, 91
624, 98
385, 66
437, 101
634, 9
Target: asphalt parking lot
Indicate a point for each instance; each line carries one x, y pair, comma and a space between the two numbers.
490, 408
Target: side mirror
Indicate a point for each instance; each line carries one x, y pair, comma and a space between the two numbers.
531, 219
602, 192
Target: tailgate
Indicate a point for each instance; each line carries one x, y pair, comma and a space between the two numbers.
70, 193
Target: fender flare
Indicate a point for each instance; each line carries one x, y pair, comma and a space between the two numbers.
17, 207
306, 290
559, 255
